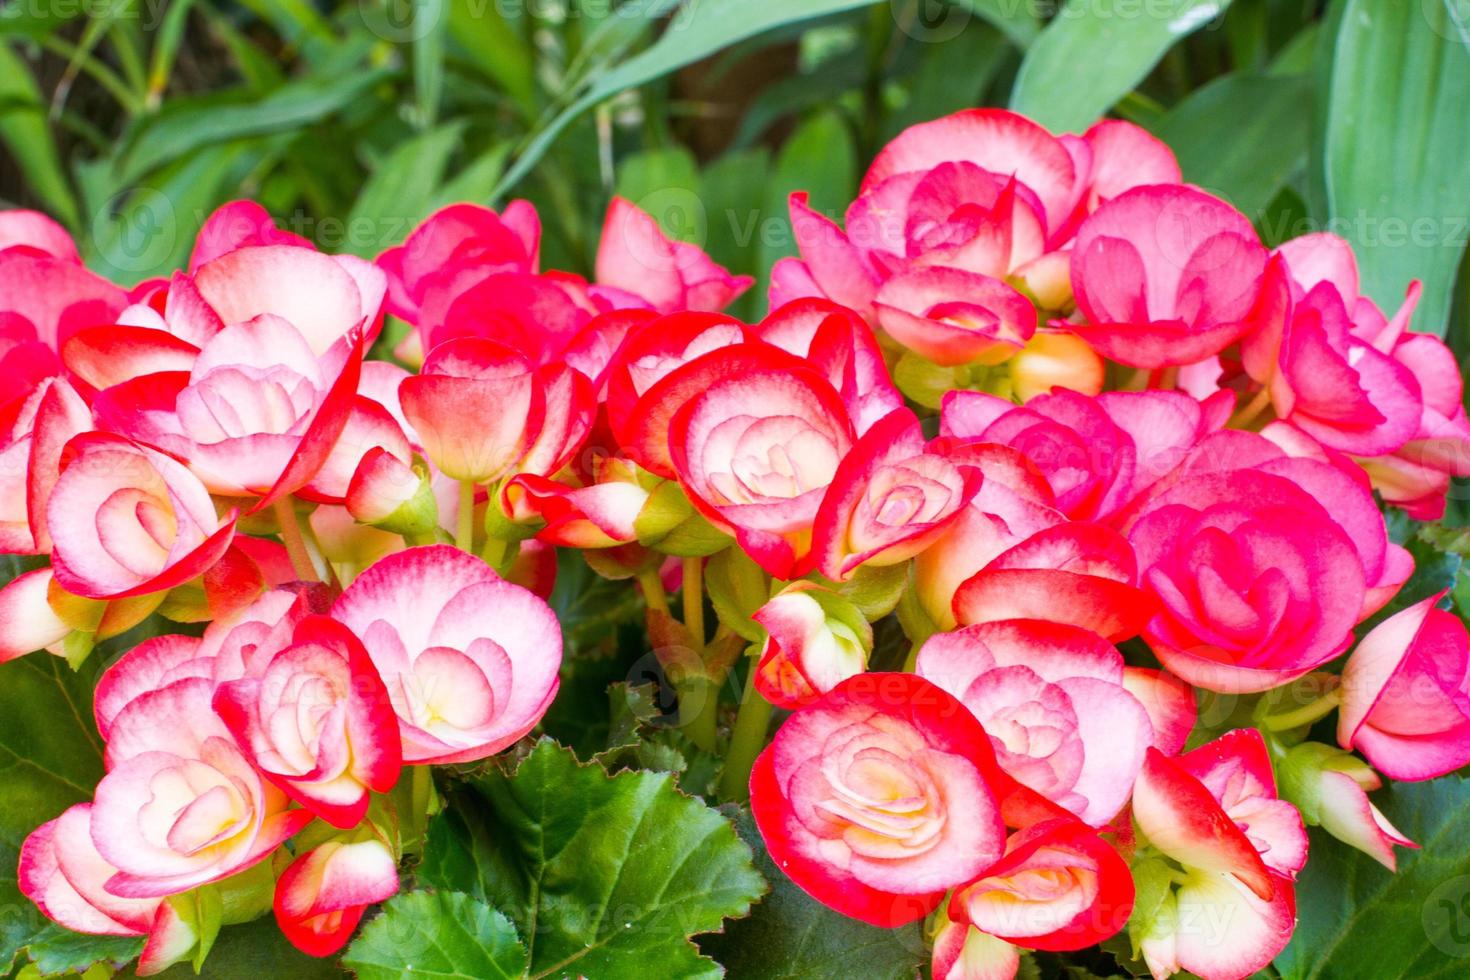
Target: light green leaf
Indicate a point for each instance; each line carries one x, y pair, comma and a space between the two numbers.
1359, 921
1398, 148
789, 935
1091, 55
55, 950
431, 22
696, 32
1269, 132
437, 934
603, 875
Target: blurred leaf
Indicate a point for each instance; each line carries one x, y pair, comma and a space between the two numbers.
1090, 56
24, 131
150, 230
733, 190
1398, 148
790, 935
401, 191
431, 21
697, 31
604, 875
656, 179
819, 157
296, 20
484, 35
476, 181
797, 93
183, 127
437, 934
1359, 921
1268, 127
951, 76
1021, 22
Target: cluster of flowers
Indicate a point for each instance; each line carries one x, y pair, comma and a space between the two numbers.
1214, 511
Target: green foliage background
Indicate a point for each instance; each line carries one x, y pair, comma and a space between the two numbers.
130, 120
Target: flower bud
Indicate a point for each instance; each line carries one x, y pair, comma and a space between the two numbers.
1055, 360
815, 640
1330, 787
389, 493
321, 897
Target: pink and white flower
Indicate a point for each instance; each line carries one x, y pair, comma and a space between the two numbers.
470, 660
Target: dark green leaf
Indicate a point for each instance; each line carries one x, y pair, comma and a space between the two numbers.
50, 758
603, 875
1090, 56
1358, 921
25, 133
790, 935
1398, 148
437, 934
254, 951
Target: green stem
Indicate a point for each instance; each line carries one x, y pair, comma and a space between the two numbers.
464, 528
699, 710
694, 600
746, 742
1304, 715
301, 561
653, 590
1248, 414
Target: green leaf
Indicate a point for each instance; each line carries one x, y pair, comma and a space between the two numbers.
50, 758
25, 133
400, 192
790, 935
1359, 921
1269, 132
55, 950
253, 951
485, 35
1398, 148
187, 126
1021, 22
819, 157
604, 875
430, 21
698, 31
1090, 56
437, 934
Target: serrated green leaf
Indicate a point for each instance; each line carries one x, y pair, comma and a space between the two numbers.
791, 936
1090, 56
437, 934
604, 875
1359, 921
1398, 148
57, 951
